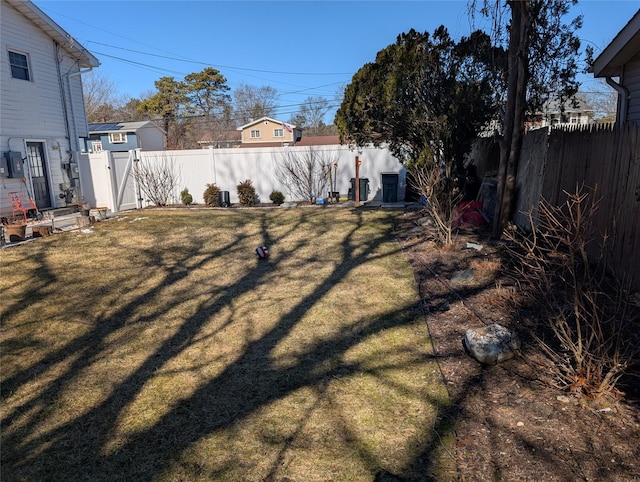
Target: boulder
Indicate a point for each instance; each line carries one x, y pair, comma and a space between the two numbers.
490, 344
463, 276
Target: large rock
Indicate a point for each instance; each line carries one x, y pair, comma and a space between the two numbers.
490, 344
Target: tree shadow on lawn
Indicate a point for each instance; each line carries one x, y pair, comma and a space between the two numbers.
76, 448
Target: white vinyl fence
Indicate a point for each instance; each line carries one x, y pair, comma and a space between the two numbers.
107, 177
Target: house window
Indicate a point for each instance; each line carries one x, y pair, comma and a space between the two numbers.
96, 146
117, 137
278, 133
255, 134
19, 66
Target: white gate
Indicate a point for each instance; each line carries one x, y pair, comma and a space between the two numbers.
107, 180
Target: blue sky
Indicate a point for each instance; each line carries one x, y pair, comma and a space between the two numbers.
301, 48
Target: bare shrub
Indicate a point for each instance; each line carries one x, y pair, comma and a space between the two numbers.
585, 323
305, 173
442, 197
158, 178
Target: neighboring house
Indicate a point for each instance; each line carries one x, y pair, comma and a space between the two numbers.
124, 136
619, 64
318, 141
572, 113
267, 132
42, 115
220, 140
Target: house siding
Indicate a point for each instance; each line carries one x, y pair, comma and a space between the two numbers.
266, 128
150, 139
33, 111
146, 138
132, 142
631, 81
29, 108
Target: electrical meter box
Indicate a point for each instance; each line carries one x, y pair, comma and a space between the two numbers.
14, 164
4, 166
75, 174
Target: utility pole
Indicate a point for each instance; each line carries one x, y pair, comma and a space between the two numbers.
357, 186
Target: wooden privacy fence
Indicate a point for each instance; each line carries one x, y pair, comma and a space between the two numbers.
601, 157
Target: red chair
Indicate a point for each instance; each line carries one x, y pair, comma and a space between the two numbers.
19, 205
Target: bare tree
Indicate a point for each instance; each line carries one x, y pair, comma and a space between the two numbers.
542, 53
219, 133
158, 178
312, 113
128, 111
100, 100
305, 173
252, 103
604, 101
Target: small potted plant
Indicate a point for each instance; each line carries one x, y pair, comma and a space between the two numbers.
15, 231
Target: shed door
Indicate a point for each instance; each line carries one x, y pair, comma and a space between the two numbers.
390, 188
38, 170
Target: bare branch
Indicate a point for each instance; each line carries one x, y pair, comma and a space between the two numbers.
158, 179
441, 197
587, 313
305, 173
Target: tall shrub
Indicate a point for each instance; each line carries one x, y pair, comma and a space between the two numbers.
246, 193
212, 195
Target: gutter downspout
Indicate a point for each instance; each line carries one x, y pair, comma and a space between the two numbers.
623, 100
63, 96
73, 142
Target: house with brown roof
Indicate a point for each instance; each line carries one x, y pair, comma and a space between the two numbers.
224, 139
268, 132
318, 141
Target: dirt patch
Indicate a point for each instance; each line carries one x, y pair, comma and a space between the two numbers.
509, 423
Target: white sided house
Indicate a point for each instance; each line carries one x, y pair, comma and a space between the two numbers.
42, 115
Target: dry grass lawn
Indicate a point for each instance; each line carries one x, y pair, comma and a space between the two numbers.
156, 347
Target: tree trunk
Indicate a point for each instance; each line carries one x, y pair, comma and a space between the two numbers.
511, 143
166, 122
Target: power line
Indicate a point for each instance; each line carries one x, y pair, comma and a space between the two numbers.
161, 69
166, 70
218, 65
140, 64
174, 57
